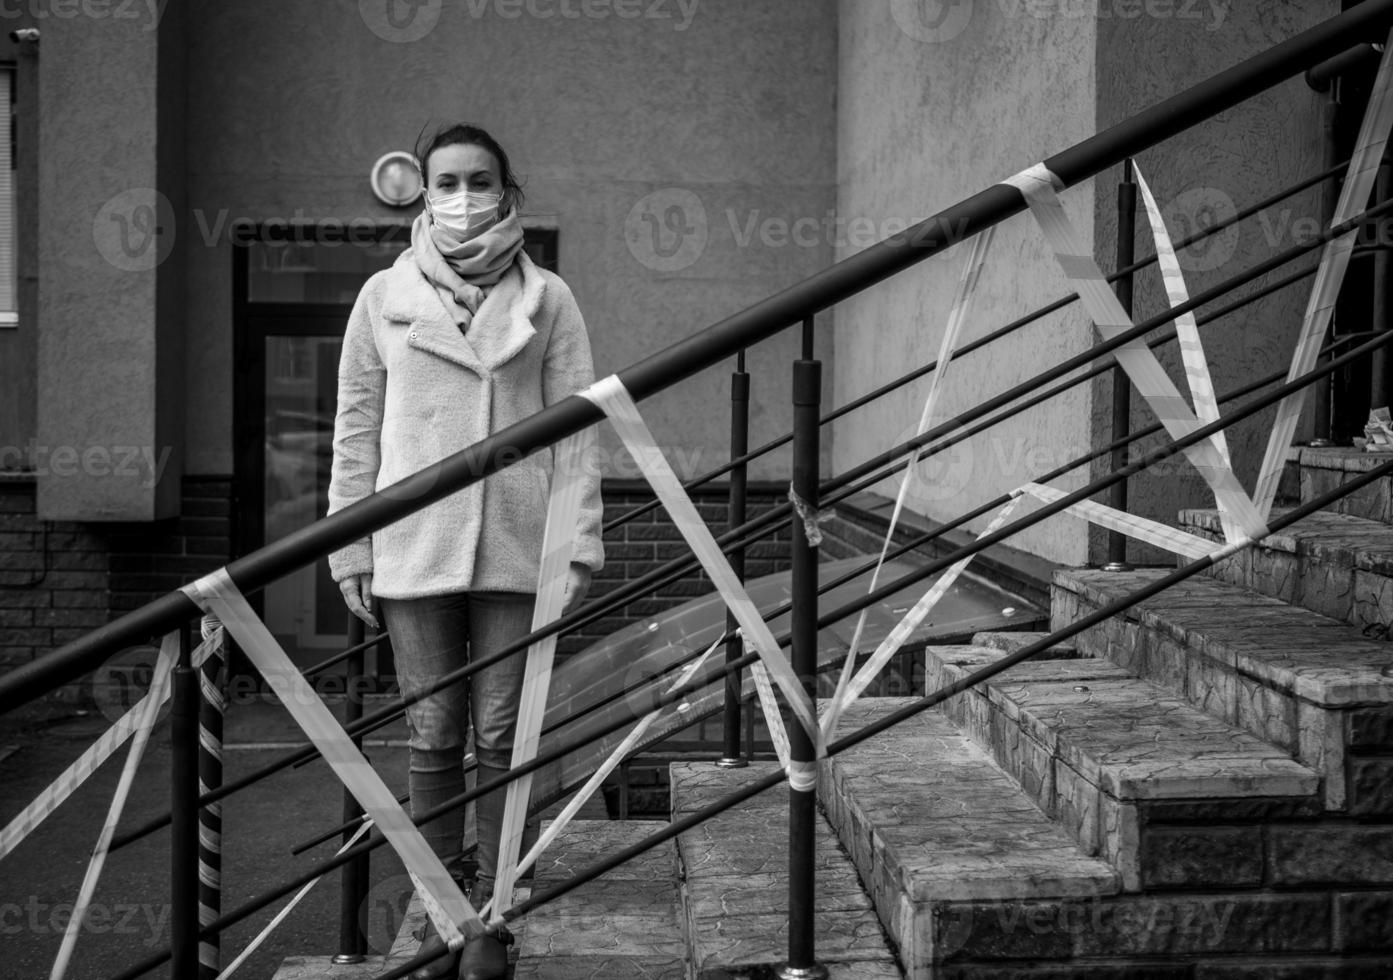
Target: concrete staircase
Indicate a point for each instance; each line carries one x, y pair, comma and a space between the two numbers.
1201, 788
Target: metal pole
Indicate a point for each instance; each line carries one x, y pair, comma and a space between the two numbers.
353, 883
1383, 269
210, 728
802, 803
739, 446
1121, 384
1322, 396
183, 840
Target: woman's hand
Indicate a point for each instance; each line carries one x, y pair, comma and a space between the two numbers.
577, 584
357, 595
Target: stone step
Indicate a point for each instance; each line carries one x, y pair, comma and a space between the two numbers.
931, 823
1102, 752
1320, 470
1011, 642
624, 924
735, 885
1333, 564
1311, 685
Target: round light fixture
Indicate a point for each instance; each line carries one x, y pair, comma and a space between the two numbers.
396, 179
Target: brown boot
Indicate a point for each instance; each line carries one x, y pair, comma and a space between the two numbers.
486, 957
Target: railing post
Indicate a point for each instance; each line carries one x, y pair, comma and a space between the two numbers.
1322, 398
802, 803
210, 729
739, 446
183, 864
1383, 303
353, 883
1121, 384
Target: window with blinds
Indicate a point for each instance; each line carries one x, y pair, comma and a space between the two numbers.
9, 304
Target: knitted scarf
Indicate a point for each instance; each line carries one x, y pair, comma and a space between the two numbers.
462, 271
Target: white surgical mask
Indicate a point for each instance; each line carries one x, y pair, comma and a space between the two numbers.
464, 214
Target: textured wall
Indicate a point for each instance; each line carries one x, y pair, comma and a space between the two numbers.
100, 453
1222, 165
929, 112
677, 120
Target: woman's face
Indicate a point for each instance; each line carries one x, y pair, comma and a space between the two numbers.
463, 167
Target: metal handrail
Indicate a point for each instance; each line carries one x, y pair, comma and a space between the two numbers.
710, 346
713, 674
858, 478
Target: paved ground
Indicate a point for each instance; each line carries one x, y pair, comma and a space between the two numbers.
260, 827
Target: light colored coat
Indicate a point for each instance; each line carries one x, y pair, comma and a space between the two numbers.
413, 389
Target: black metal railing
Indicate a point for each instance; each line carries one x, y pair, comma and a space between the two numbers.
702, 350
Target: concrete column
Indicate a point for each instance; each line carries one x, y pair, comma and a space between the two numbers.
111, 190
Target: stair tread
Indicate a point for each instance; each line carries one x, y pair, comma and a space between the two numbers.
945, 821
1338, 538
1133, 739
1295, 650
1013, 641
626, 923
735, 871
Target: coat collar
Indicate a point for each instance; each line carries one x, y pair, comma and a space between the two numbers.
500, 329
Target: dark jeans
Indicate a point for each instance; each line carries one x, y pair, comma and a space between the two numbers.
430, 638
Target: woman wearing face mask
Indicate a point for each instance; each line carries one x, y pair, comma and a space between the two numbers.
462, 337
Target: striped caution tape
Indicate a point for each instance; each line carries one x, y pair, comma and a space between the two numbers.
281, 916
1187, 334
1164, 536
904, 628
621, 752
558, 544
89, 762
212, 705
1039, 188
149, 711
968, 279
610, 395
449, 910
1330, 274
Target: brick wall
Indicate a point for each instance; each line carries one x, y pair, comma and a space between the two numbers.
648, 541
61, 579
